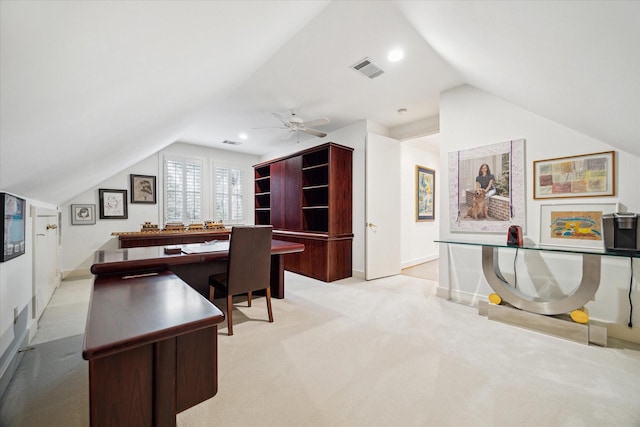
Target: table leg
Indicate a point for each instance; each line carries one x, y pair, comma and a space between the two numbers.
277, 276
583, 294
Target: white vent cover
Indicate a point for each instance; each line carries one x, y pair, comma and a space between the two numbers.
226, 141
368, 68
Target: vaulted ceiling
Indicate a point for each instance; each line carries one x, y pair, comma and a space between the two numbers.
88, 89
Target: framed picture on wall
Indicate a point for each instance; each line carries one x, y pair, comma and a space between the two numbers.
574, 225
588, 175
83, 214
143, 189
425, 193
12, 210
486, 188
113, 204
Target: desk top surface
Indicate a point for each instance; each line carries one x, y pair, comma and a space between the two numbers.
117, 260
127, 313
549, 248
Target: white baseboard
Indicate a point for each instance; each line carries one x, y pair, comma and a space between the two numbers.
80, 273
9, 368
357, 274
623, 332
416, 261
442, 292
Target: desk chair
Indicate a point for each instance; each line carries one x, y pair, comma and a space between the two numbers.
248, 269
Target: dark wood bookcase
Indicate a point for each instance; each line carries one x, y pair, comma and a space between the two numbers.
307, 197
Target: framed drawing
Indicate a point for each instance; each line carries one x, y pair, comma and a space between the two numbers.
12, 211
425, 194
113, 204
588, 175
143, 189
486, 188
83, 214
574, 225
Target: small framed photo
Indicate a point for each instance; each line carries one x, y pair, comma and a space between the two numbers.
83, 214
113, 204
425, 193
143, 189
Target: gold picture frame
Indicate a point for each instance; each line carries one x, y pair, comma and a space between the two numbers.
587, 175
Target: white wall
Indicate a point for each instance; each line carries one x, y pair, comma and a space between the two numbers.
16, 291
417, 238
471, 118
81, 241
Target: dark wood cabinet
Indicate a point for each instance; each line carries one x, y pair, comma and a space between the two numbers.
307, 197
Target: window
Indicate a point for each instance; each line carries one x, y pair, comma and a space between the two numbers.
182, 190
229, 184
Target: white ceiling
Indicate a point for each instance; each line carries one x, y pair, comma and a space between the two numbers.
88, 89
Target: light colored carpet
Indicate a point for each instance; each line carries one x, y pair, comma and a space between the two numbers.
389, 353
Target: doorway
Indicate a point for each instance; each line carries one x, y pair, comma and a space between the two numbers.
46, 277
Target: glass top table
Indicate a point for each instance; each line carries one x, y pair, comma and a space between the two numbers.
590, 281
550, 248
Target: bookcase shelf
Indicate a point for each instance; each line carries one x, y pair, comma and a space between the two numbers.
307, 197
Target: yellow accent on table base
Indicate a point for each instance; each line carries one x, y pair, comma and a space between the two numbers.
580, 315
495, 299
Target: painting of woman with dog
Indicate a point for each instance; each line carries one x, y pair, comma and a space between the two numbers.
487, 187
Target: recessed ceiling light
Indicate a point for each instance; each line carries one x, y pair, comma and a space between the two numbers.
243, 136
402, 111
395, 55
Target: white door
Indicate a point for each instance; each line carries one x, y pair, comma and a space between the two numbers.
382, 206
45, 259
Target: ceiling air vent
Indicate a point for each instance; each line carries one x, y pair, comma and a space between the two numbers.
226, 141
368, 68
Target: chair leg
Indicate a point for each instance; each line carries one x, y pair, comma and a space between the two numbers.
212, 293
268, 292
249, 298
229, 319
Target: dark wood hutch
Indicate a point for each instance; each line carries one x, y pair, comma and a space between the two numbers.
307, 197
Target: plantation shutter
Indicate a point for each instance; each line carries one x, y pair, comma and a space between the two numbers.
183, 190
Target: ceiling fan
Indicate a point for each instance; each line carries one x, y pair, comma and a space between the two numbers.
294, 124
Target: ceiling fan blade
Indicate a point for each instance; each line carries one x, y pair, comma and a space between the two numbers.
313, 132
287, 135
317, 122
272, 127
282, 118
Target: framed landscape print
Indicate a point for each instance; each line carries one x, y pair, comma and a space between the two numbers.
588, 175
83, 214
143, 189
113, 204
425, 193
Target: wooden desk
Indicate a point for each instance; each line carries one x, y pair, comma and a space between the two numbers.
151, 343
194, 269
